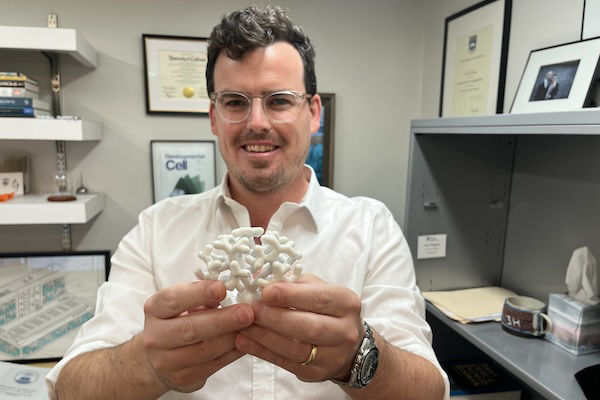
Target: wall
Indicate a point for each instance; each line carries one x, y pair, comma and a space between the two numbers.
368, 54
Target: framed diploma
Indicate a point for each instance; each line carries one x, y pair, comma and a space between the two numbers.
182, 167
474, 59
174, 68
559, 78
591, 14
320, 153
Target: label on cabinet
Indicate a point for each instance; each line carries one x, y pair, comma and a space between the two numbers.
431, 246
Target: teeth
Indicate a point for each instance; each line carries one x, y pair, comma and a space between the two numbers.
259, 148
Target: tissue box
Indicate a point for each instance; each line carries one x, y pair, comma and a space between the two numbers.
575, 325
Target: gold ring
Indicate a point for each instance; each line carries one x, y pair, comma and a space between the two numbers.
311, 356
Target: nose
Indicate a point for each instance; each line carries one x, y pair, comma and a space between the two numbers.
257, 120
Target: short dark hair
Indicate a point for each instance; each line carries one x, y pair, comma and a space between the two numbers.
252, 28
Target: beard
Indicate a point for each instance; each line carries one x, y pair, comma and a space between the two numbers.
259, 178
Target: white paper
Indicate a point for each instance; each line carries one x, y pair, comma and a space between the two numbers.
431, 246
11, 182
22, 381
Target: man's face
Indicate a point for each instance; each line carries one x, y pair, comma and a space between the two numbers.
262, 155
550, 75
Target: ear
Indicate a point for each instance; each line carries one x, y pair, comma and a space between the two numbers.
315, 113
213, 118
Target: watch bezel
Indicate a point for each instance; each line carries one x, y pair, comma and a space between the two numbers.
370, 358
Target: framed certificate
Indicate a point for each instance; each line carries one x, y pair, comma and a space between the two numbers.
474, 60
46, 297
182, 167
175, 74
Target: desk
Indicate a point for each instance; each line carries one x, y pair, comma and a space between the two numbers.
543, 366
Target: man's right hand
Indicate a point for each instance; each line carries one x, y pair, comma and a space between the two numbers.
186, 338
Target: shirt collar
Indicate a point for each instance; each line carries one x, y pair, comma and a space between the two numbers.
311, 202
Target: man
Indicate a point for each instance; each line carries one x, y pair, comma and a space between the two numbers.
548, 88
158, 333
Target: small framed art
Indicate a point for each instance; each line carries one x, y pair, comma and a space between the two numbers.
182, 167
320, 154
174, 69
558, 78
45, 298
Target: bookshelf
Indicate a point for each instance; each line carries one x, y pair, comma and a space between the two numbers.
34, 208
515, 195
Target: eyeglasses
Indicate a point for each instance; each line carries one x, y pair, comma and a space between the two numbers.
278, 106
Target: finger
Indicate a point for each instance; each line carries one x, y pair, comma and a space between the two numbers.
309, 373
290, 348
173, 300
193, 328
302, 325
193, 378
316, 297
199, 353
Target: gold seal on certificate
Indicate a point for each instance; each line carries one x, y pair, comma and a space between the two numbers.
188, 92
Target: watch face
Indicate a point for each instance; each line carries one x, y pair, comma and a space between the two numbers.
368, 366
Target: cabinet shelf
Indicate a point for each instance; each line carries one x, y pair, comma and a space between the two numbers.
580, 122
545, 367
56, 40
33, 209
14, 128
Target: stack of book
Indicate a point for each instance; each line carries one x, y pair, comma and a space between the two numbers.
19, 96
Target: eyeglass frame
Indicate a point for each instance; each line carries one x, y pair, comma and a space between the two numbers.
298, 95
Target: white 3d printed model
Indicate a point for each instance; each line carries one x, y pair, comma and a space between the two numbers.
251, 266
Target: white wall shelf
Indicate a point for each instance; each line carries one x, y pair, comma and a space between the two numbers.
15, 128
33, 209
57, 40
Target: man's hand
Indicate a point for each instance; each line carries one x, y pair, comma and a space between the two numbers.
186, 338
292, 317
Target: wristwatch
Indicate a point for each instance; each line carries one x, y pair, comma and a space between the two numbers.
365, 363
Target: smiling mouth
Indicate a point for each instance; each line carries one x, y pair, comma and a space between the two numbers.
255, 148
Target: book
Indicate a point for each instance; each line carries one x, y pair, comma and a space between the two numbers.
16, 112
480, 380
7, 83
18, 77
18, 92
24, 102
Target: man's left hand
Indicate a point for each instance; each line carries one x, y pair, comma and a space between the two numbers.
292, 317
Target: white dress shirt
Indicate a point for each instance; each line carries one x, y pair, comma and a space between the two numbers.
354, 242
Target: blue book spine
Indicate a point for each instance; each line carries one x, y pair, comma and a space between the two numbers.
16, 101
16, 111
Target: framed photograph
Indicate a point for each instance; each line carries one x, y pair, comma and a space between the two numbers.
174, 68
591, 15
474, 59
320, 154
182, 167
558, 78
44, 299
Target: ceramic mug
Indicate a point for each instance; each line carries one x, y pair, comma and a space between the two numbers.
524, 316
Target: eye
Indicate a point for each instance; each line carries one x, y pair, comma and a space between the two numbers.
233, 101
281, 100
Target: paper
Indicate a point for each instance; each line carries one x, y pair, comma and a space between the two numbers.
582, 276
431, 246
471, 305
22, 381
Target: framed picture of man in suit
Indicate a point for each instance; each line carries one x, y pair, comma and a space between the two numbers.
559, 78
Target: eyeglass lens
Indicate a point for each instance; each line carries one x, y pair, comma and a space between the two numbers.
279, 107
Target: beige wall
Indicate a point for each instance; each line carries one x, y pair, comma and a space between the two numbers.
381, 58
368, 53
